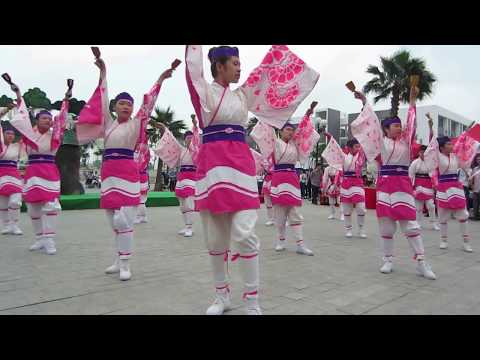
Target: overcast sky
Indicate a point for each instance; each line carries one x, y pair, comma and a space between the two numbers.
135, 68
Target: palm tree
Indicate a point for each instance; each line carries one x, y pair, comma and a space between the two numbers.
175, 126
393, 79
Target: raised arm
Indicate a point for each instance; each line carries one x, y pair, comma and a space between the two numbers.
143, 115
102, 83
197, 85
367, 129
60, 122
430, 127
306, 137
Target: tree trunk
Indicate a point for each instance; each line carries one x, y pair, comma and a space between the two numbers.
68, 163
159, 177
395, 103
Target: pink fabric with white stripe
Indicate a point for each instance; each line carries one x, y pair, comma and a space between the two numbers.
285, 189
42, 183
11, 182
120, 184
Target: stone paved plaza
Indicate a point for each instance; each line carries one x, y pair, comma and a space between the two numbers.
171, 274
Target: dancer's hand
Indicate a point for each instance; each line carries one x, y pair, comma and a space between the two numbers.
361, 96
194, 120
414, 91
100, 64
165, 75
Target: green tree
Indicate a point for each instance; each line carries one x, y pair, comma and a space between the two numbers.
175, 126
37, 99
392, 79
75, 106
5, 100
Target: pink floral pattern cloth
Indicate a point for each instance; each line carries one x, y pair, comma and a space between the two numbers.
366, 129
168, 149
278, 85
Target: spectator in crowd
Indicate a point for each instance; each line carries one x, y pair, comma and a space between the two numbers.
475, 182
308, 187
303, 184
172, 176
315, 179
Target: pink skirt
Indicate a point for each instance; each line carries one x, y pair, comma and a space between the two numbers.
120, 184
11, 181
42, 183
352, 191
395, 198
226, 178
450, 195
285, 190
423, 189
267, 185
185, 186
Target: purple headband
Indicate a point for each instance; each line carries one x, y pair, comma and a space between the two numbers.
288, 124
352, 142
124, 96
43, 112
223, 52
9, 130
389, 121
187, 134
442, 140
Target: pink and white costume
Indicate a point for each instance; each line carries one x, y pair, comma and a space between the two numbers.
266, 190
120, 189
285, 188
352, 192
142, 158
226, 189
41, 190
11, 185
395, 201
422, 182
331, 184
174, 155
450, 194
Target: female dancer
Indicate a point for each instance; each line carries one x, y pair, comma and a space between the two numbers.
292, 146
331, 188
11, 182
352, 193
174, 154
120, 191
395, 201
42, 178
266, 188
226, 189
446, 158
423, 183
142, 157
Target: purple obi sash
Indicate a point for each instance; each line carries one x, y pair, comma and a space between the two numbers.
284, 167
41, 159
185, 168
350, 174
223, 133
394, 170
448, 177
117, 154
8, 163
422, 176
